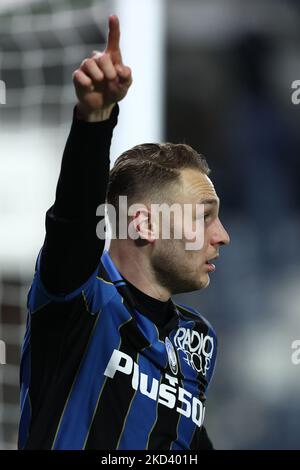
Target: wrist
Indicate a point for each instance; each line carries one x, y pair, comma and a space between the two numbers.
94, 116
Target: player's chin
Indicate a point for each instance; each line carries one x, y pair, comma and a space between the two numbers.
204, 281
201, 282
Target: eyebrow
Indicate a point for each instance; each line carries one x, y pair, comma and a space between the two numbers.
210, 201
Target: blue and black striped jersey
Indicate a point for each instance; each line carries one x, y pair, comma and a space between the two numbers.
104, 366
97, 373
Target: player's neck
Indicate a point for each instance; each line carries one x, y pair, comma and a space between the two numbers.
135, 266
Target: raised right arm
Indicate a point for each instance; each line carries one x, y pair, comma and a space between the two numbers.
71, 250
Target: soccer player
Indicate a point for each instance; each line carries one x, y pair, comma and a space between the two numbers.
108, 360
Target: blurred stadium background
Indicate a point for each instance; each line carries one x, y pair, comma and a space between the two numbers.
218, 76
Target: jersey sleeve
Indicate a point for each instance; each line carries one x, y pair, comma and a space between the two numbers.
72, 250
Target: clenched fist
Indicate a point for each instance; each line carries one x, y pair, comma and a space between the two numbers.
102, 80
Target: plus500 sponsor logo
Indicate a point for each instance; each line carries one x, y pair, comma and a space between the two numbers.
166, 394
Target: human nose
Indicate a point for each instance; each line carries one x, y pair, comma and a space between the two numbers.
220, 234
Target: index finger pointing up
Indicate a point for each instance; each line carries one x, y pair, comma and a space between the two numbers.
113, 42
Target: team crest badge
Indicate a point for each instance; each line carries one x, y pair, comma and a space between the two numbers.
171, 356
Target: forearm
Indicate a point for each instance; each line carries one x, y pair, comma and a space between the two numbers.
85, 167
